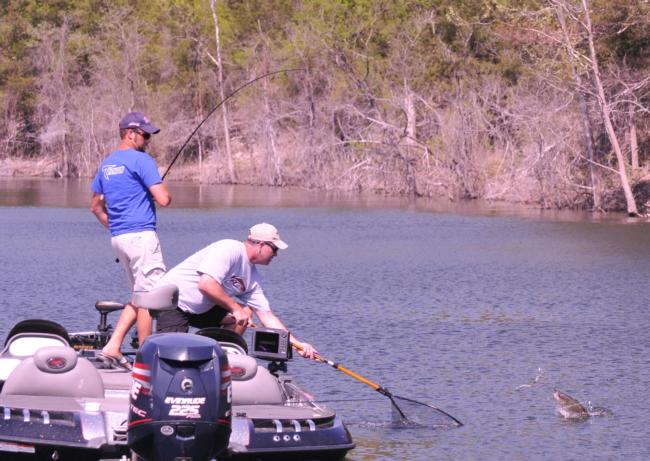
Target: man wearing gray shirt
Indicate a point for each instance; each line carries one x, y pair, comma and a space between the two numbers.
220, 284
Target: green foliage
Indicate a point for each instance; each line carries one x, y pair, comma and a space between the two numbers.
623, 28
364, 59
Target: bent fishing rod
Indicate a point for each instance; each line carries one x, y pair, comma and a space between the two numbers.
250, 82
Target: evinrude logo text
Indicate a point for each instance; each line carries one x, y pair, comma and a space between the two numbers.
185, 407
185, 400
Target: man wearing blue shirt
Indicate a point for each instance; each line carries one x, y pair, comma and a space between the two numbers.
125, 190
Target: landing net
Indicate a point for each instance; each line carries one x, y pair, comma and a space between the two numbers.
414, 413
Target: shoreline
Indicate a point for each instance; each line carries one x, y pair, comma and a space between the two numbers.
185, 185
75, 193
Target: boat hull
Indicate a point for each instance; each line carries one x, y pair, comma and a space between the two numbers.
272, 417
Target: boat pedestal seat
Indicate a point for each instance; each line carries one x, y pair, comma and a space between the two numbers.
156, 300
106, 307
55, 371
162, 298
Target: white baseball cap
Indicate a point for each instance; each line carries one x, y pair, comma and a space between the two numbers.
265, 232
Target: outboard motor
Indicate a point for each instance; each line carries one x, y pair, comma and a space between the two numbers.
180, 400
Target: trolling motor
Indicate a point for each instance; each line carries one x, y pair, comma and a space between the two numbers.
180, 399
181, 396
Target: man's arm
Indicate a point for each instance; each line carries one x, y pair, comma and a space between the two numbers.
212, 289
161, 194
98, 208
270, 320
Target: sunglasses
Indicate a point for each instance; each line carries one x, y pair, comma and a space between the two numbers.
273, 247
143, 134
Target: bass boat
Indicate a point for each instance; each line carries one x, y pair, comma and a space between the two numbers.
201, 396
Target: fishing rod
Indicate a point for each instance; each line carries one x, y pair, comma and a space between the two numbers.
250, 82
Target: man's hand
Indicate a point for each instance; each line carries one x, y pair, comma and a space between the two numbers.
98, 208
243, 316
305, 349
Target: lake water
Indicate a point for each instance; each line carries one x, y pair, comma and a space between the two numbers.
458, 306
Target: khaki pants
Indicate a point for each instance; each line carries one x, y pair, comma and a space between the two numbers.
141, 257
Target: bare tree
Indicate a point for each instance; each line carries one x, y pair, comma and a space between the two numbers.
634, 142
606, 113
55, 87
587, 127
222, 94
273, 157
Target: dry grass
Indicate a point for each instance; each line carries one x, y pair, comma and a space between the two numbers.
20, 167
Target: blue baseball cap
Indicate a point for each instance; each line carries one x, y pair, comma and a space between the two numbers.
138, 120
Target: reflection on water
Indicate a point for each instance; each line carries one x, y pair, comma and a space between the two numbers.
76, 193
455, 310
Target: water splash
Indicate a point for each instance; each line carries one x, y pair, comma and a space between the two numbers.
598, 411
536, 380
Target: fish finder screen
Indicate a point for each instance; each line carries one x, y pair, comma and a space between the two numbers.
267, 342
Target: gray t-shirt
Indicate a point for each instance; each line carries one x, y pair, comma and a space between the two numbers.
225, 261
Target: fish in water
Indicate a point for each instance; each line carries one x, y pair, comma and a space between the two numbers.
569, 407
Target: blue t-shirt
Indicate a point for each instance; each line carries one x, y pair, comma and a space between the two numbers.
124, 177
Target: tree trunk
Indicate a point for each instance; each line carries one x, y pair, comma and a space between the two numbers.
199, 138
224, 108
274, 160
409, 109
587, 128
65, 161
634, 142
606, 112
199, 117
275, 172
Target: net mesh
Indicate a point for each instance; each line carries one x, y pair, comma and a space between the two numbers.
409, 412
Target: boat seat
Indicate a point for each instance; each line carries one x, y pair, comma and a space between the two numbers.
156, 300
22, 345
252, 384
162, 298
38, 326
55, 371
242, 367
106, 307
26, 344
228, 339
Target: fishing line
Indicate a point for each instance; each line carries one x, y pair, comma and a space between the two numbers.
250, 82
339, 400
